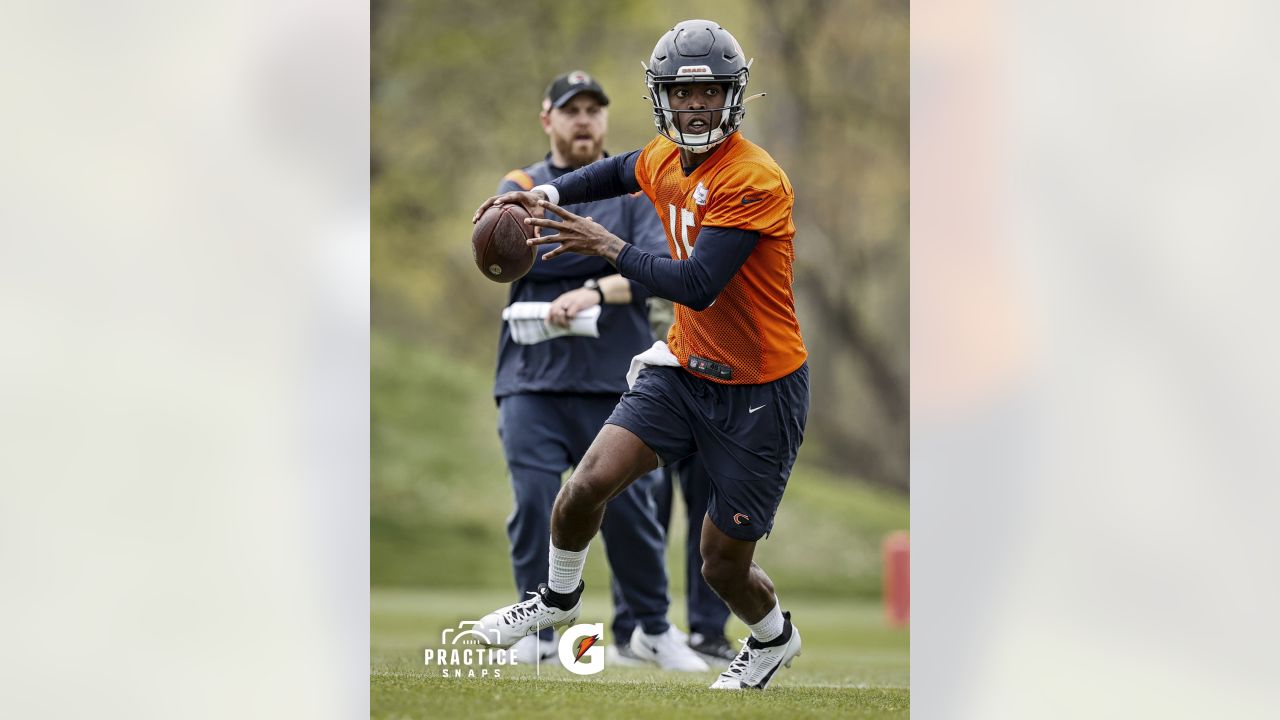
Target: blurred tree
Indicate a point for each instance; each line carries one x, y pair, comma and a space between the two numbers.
837, 118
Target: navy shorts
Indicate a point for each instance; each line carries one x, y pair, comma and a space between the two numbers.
746, 436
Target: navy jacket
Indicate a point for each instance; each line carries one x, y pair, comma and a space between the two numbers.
580, 364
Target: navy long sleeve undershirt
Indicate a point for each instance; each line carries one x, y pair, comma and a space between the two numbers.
602, 179
696, 282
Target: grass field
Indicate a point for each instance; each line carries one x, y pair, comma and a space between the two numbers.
852, 665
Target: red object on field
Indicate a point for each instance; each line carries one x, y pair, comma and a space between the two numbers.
897, 578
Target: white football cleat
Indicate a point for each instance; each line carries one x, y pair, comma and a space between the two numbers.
532, 651
668, 650
505, 626
756, 665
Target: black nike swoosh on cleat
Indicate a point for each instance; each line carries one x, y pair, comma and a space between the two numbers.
764, 681
748, 201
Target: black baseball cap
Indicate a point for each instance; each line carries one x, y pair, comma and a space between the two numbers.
564, 87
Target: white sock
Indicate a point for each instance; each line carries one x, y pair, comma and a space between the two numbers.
770, 626
566, 569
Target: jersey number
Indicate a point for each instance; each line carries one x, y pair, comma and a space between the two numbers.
686, 222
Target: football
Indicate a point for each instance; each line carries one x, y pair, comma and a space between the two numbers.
498, 243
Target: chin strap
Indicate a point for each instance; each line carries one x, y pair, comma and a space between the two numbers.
713, 139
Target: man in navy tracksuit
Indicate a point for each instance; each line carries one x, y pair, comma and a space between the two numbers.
554, 396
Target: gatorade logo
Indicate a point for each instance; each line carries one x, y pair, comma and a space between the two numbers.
580, 649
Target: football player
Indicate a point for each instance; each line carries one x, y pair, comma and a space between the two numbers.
554, 396
732, 383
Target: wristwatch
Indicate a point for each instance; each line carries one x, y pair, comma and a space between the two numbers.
594, 284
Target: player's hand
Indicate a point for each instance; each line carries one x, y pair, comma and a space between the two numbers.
575, 234
529, 200
570, 304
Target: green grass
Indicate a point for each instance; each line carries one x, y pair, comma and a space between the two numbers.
852, 665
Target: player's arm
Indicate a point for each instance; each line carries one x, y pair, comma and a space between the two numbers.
694, 283
601, 180
646, 233
730, 231
642, 230
698, 281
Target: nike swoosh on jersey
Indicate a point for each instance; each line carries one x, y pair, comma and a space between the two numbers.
751, 410
748, 201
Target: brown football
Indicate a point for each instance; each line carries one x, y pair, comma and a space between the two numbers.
498, 243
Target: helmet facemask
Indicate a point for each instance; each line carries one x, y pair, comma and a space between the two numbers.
730, 115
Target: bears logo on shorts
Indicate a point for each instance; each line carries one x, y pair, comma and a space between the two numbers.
740, 519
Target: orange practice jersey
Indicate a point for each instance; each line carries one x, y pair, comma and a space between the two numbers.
752, 325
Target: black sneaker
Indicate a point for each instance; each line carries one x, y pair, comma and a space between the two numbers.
712, 648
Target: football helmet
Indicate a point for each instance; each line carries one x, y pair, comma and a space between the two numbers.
697, 51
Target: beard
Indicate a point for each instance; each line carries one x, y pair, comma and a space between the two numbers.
581, 152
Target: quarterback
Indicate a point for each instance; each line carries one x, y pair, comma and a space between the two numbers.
731, 383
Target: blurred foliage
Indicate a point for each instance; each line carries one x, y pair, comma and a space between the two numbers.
456, 90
